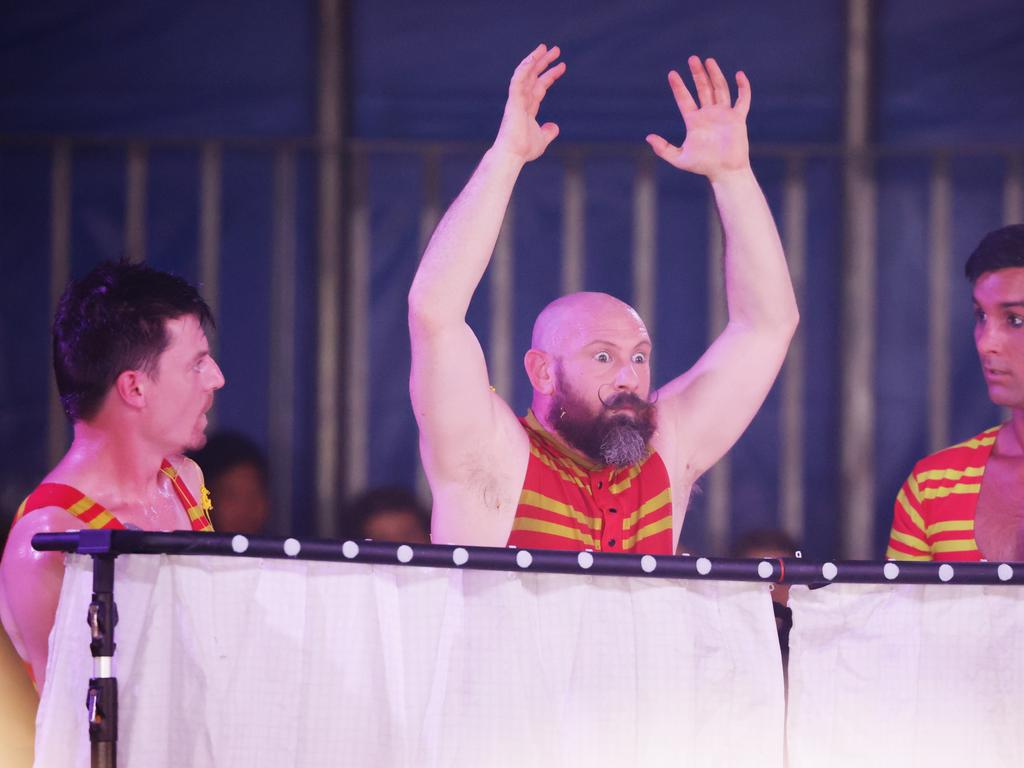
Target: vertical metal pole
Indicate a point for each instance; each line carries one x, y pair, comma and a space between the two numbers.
329, 133
857, 480
645, 235
210, 163
1013, 191
720, 475
502, 286
101, 700
357, 345
791, 468
281, 384
60, 273
573, 225
136, 183
940, 258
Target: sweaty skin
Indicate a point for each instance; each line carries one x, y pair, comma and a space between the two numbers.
474, 450
114, 459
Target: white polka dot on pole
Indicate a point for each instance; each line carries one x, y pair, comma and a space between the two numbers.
585, 559
404, 553
891, 571
945, 572
239, 543
1005, 572
648, 563
460, 556
292, 547
764, 569
829, 571
350, 549
524, 559
703, 566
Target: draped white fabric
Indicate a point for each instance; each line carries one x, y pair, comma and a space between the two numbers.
906, 675
236, 662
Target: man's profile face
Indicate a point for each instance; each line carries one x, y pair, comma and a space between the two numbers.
180, 391
999, 334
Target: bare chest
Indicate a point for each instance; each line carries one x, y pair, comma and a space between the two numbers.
160, 513
999, 520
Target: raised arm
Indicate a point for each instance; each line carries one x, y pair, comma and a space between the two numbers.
462, 422
704, 411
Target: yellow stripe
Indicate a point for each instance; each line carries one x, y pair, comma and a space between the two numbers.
627, 481
914, 490
986, 438
647, 507
559, 470
170, 471
950, 474
100, 520
910, 541
959, 488
540, 501
966, 526
80, 506
895, 554
647, 531
955, 545
915, 517
542, 526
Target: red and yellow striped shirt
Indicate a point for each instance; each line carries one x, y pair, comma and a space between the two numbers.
935, 508
94, 515
571, 503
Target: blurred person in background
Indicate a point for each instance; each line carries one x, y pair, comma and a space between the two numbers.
236, 473
387, 513
772, 544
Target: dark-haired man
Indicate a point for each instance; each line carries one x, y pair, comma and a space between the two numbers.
593, 465
966, 502
136, 379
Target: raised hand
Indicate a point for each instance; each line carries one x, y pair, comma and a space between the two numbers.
520, 134
716, 131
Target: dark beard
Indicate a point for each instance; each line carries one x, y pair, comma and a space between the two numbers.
616, 439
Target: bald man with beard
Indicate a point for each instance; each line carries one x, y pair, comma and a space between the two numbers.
599, 462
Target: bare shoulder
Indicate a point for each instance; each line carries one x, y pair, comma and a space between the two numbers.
476, 500
188, 471
19, 552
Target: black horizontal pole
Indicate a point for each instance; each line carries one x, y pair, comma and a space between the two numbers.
789, 570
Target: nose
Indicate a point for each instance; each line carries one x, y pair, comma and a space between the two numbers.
627, 378
986, 337
215, 376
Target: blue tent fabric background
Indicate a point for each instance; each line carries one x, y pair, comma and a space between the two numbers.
945, 75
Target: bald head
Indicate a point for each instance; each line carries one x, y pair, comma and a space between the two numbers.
575, 319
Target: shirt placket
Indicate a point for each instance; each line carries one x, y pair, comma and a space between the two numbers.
610, 533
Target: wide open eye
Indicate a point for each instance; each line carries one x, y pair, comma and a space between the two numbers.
603, 357
639, 358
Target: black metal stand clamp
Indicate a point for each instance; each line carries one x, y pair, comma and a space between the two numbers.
102, 698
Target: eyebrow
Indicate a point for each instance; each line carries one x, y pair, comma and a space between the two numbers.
1004, 304
605, 343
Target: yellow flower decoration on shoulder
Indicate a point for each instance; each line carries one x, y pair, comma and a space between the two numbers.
207, 502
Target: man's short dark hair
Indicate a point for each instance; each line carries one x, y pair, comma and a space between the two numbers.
113, 320
1000, 249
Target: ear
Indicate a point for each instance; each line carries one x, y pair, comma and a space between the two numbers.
540, 369
131, 388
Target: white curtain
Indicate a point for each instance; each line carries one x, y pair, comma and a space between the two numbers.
244, 662
906, 675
